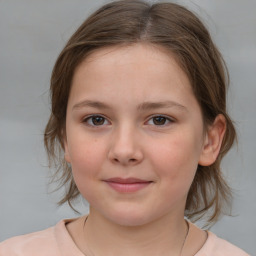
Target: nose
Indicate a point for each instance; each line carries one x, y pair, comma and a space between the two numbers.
125, 147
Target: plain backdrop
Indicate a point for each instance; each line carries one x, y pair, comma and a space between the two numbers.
32, 33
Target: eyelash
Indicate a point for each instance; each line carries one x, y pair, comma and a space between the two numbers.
104, 119
90, 118
166, 119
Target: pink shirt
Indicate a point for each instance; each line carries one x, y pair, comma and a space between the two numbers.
56, 241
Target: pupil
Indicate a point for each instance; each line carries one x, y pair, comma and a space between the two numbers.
98, 120
159, 120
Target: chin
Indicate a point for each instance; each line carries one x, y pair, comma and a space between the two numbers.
129, 218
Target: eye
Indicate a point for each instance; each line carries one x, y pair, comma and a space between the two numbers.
96, 120
159, 120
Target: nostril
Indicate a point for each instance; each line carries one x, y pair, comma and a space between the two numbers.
132, 160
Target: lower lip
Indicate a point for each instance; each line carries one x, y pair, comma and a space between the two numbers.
128, 187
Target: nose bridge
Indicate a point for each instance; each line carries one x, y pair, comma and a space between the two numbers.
125, 146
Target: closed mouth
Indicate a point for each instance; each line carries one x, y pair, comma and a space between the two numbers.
127, 185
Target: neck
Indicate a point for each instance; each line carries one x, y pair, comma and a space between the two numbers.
164, 236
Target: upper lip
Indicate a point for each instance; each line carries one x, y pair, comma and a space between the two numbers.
126, 180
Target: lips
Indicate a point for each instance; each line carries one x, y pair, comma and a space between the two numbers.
128, 185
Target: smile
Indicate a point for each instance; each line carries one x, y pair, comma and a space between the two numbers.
129, 185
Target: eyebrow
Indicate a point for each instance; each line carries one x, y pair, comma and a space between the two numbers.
141, 107
162, 104
90, 103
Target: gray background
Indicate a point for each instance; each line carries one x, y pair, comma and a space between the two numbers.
32, 33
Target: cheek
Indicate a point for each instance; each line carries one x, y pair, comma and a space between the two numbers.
86, 156
177, 158
86, 162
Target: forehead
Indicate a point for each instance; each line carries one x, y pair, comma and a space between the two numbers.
119, 54
132, 61
139, 71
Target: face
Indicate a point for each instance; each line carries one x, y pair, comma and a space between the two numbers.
134, 133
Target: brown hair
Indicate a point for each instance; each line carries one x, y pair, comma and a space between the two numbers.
179, 31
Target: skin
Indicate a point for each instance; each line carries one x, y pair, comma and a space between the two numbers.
161, 144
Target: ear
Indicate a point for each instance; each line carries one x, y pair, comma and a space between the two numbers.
65, 146
213, 140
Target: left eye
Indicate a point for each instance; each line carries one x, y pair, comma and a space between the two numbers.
159, 120
96, 120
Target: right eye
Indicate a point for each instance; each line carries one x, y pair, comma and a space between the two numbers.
96, 120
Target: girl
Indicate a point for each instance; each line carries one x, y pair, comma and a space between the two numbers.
138, 128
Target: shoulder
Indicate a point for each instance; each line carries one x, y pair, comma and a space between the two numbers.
36, 244
216, 246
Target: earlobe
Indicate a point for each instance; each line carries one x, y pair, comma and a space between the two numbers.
213, 141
